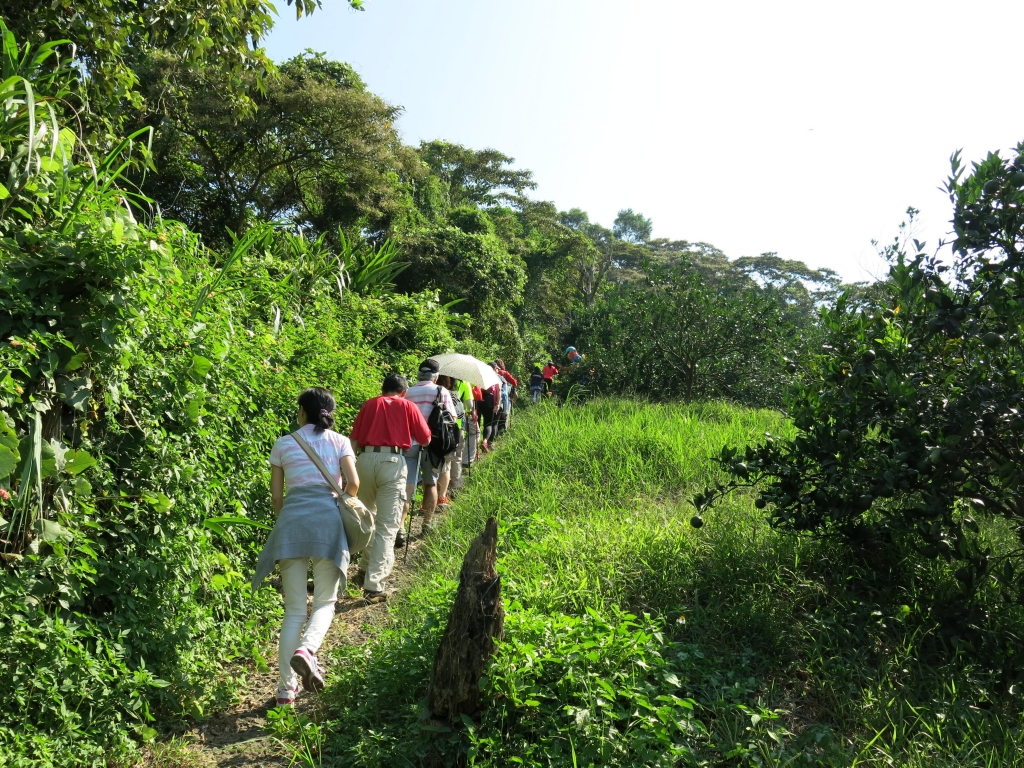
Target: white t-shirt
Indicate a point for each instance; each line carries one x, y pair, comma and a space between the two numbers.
423, 394
298, 468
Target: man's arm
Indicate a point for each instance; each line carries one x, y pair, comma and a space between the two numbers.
418, 425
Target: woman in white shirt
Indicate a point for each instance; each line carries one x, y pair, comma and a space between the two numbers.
308, 526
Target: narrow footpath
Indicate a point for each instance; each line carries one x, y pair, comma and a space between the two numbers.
238, 737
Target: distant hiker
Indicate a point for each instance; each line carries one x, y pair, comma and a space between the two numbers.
508, 393
453, 462
383, 432
488, 405
424, 394
308, 527
536, 383
473, 432
549, 373
574, 357
464, 393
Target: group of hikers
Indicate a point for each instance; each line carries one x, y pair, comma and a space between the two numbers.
429, 433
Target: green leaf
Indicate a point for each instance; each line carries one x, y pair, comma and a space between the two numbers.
161, 502
49, 530
8, 461
77, 392
76, 462
4, 193
82, 487
201, 366
76, 361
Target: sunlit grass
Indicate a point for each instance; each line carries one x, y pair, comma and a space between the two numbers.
634, 639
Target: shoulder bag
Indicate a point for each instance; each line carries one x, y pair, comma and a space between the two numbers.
355, 516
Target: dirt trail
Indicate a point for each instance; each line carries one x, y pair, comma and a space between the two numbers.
237, 737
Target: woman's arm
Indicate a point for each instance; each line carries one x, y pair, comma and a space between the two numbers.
277, 487
348, 470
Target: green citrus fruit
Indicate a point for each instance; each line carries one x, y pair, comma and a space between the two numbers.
697, 521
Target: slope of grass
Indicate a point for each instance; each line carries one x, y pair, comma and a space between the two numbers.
632, 639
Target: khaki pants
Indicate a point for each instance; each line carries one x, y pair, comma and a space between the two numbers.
382, 489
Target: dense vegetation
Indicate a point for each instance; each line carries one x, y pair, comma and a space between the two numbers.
189, 235
633, 639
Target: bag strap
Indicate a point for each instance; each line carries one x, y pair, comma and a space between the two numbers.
319, 463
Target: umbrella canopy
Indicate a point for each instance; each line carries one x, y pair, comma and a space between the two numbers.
467, 368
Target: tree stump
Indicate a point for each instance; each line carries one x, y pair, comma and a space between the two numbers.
475, 623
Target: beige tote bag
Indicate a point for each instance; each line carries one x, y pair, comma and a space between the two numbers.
356, 516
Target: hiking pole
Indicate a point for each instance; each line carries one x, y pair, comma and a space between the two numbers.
409, 535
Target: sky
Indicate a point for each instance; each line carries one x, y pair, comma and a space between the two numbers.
806, 129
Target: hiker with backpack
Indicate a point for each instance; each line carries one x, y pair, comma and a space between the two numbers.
487, 406
310, 463
426, 461
463, 392
383, 432
536, 384
447, 476
508, 393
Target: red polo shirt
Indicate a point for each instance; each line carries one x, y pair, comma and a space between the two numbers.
390, 421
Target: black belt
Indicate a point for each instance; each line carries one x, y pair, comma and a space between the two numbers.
383, 448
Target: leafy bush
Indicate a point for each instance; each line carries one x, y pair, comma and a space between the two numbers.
911, 419
680, 334
145, 379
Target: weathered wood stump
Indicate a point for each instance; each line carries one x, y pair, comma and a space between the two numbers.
475, 623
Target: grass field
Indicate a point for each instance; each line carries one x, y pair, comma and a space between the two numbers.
633, 639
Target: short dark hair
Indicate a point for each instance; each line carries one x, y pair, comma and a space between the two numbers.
394, 383
319, 406
501, 363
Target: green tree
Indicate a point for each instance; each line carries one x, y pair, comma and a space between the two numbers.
114, 40
678, 335
320, 151
476, 177
632, 227
910, 419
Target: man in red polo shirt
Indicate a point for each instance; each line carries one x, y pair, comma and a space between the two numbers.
383, 431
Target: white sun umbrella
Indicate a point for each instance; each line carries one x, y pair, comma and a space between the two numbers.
467, 368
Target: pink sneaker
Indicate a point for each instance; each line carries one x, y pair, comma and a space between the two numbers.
306, 667
286, 696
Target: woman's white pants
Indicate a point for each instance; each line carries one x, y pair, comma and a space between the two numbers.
326, 577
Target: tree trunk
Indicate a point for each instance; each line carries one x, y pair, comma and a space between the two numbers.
475, 623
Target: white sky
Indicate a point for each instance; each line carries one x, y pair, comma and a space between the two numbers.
805, 128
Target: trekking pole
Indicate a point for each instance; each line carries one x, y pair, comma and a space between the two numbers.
408, 535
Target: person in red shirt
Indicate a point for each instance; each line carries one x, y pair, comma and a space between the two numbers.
549, 373
382, 432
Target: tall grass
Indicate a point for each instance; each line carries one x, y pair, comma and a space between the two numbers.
634, 639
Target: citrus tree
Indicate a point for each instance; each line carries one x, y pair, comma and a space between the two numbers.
910, 419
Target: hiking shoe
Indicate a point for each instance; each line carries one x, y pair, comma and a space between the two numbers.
370, 596
444, 501
306, 667
399, 541
286, 696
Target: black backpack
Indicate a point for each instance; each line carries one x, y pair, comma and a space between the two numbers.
444, 432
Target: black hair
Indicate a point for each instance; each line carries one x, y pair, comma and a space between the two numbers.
318, 404
394, 383
536, 369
